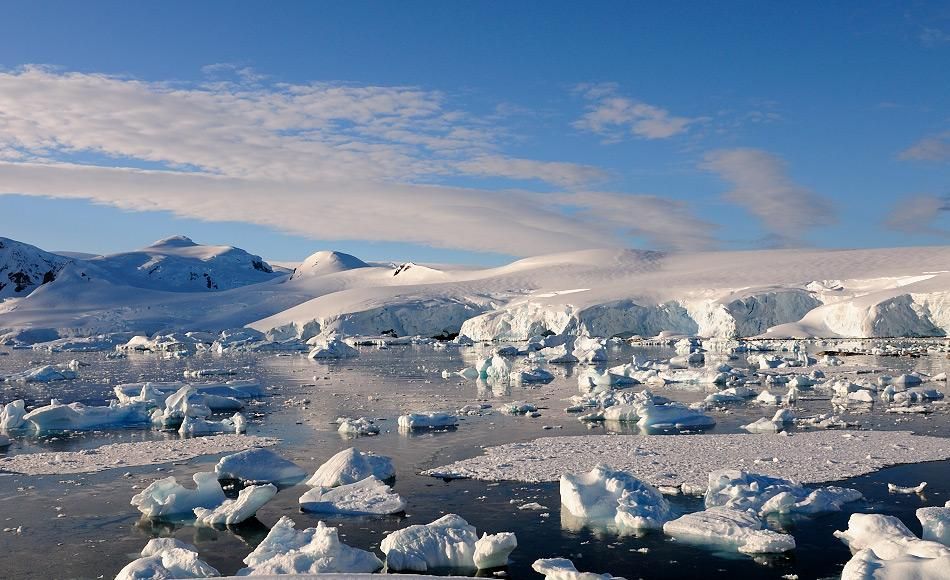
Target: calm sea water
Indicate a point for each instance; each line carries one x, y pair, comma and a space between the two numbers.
82, 526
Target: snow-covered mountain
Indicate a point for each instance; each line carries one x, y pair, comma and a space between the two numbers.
776, 293
24, 267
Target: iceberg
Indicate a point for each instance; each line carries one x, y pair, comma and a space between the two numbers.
166, 497
317, 550
446, 543
368, 496
234, 511
434, 420
332, 348
12, 415
883, 547
604, 496
729, 528
259, 466
563, 569
78, 417
167, 558
350, 466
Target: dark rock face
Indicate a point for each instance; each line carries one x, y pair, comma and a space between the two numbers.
23, 268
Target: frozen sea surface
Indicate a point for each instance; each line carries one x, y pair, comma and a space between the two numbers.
81, 525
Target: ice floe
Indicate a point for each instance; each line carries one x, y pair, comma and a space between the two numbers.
766, 495
234, 511
812, 457
563, 569
124, 455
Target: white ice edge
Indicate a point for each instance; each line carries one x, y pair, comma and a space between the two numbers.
125, 455
671, 460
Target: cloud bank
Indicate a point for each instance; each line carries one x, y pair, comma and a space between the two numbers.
321, 160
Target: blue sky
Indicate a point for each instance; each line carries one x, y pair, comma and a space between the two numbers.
474, 131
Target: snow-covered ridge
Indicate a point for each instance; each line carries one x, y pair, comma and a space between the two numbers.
608, 292
23, 267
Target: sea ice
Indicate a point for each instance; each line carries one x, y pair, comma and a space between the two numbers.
349, 466
234, 511
894, 488
78, 417
884, 548
259, 466
765, 495
237, 424
369, 496
12, 414
936, 524
356, 427
332, 348
492, 550
317, 550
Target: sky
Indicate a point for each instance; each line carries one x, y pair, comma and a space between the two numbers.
474, 132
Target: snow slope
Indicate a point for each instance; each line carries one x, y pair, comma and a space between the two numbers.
23, 267
777, 293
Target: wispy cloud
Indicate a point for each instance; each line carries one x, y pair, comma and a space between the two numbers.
762, 186
931, 148
615, 116
933, 37
917, 214
322, 160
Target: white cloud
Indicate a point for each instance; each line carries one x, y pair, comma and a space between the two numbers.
932, 148
761, 185
322, 160
916, 215
614, 116
510, 221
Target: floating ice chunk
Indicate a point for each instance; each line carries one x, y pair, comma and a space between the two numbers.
185, 402
349, 466
12, 415
356, 427
936, 524
767, 398
317, 550
198, 426
79, 417
469, 373
259, 466
589, 350
894, 488
492, 551
763, 494
731, 528
167, 558
198, 373
559, 354
333, 348
672, 415
883, 547
563, 569
166, 497
604, 496
518, 408
446, 543
763, 425
622, 413
234, 511
495, 368
532, 374
432, 420
43, 374
368, 496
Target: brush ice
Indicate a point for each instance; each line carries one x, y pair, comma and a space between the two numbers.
369, 496
729, 528
350, 466
563, 569
447, 543
317, 550
167, 558
166, 497
605, 496
434, 420
78, 417
259, 466
234, 511
811, 457
936, 524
